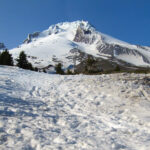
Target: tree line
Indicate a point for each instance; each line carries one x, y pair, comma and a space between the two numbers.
6, 58
22, 62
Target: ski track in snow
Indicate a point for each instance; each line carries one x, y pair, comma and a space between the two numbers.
52, 112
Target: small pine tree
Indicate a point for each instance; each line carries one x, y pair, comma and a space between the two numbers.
89, 64
44, 70
117, 68
90, 61
69, 72
59, 69
36, 69
23, 62
6, 58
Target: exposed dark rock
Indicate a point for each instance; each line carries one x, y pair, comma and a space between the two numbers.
116, 50
31, 36
98, 65
84, 36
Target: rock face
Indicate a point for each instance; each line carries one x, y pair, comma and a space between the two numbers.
2, 46
117, 50
30, 37
112, 49
84, 36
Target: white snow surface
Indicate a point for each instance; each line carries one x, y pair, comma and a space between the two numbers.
51, 112
136, 60
58, 40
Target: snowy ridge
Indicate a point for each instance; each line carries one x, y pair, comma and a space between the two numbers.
51, 112
57, 41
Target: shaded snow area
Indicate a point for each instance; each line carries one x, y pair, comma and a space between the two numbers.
50, 112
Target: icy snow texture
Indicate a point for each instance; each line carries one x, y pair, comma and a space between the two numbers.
51, 112
58, 40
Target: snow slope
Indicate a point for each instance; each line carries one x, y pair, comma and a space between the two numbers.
57, 41
51, 112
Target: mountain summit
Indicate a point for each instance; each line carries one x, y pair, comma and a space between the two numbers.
65, 41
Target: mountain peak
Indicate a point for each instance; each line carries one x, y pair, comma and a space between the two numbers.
67, 26
59, 28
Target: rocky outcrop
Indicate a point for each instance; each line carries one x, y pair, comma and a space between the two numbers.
98, 64
116, 50
31, 36
84, 36
111, 50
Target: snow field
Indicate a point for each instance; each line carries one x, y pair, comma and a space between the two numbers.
51, 112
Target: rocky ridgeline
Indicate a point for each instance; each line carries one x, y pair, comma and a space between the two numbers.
30, 37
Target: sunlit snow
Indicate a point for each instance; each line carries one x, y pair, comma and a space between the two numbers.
51, 112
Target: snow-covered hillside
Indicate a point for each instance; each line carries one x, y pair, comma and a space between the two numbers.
50, 112
54, 45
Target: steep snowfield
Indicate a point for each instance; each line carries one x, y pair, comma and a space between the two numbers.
135, 60
50, 112
58, 40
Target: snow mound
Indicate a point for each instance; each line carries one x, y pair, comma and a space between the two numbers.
42, 112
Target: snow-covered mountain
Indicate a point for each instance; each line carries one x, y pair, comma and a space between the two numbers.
65, 41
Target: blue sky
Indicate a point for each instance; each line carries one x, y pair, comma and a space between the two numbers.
127, 20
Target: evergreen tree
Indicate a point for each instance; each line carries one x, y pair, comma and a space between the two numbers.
6, 58
35, 69
89, 64
69, 72
23, 62
59, 69
90, 61
117, 68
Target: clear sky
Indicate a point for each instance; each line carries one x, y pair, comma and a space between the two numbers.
127, 20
